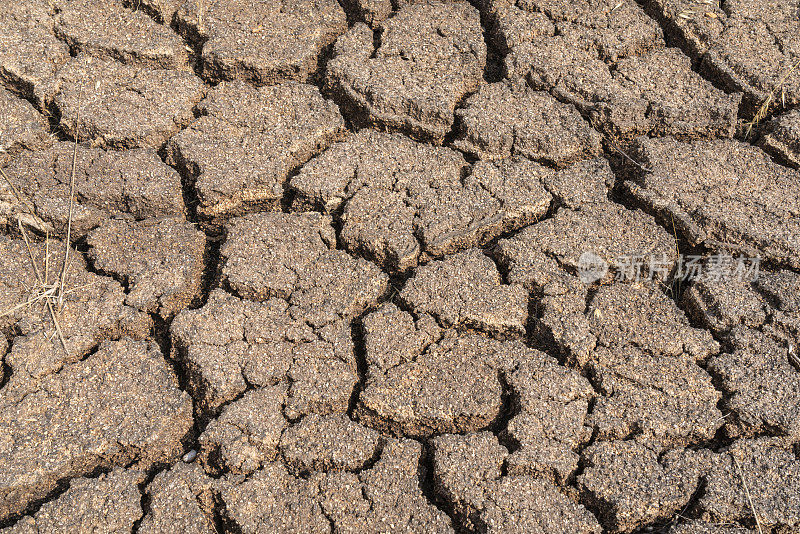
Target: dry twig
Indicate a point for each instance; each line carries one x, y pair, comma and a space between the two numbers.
747, 493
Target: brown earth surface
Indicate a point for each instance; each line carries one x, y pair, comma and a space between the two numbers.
400, 266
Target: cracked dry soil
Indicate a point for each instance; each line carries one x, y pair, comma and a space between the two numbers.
325, 275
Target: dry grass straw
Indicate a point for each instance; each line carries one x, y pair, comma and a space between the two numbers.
52, 294
701, 7
763, 111
747, 493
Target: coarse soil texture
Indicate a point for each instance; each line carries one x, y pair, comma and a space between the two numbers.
400, 266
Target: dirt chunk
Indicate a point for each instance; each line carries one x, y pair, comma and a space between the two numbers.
263, 43
618, 316
272, 499
549, 403
612, 30
609, 59
498, 122
643, 316
247, 142
21, 126
232, 344
328, 443
619, 331
402, 202
293, 256
609, 231
30, 54
749, 46
160, 260
772, 475
781, 288
782, 136
92, 309
664, 401
546, 258
429, 56
388, 493
107, 184
467, 474
246, 434
760, 323
121, 405
630, 486
124, 106
762, 385
739, 197
180, 499
108, 503
104, 29
722, 305
466, 291
586, 182
443, 382
654, 94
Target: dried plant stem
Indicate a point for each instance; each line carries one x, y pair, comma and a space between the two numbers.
68, 239
762, 112
50, 307
747, 493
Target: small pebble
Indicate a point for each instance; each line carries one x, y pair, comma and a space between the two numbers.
189, 456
